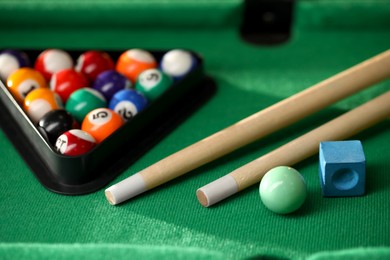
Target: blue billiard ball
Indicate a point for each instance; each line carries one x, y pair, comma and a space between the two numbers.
12, 60
127, 103
109, 82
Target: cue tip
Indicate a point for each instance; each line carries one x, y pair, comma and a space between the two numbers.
126, 189
110, 197
217, 190
202, 198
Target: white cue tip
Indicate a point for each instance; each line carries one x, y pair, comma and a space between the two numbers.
217, 190
126, 189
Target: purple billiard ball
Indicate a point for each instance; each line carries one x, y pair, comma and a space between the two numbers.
127, 103
110, 82
12, 60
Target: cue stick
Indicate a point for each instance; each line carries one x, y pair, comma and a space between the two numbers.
254, 127
297, 150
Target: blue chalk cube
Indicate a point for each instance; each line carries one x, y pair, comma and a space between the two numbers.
342, 168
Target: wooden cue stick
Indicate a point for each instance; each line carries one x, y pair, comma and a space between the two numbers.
254, 127
297, 150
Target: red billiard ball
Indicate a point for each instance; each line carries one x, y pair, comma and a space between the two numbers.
55, 123
92, 63
132, 62
40, 101
101, 122
65, 82
23, 81
52, 60
75, 142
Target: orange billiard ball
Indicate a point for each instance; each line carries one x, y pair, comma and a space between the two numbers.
132, 62
41, 101
101, 122
23, 81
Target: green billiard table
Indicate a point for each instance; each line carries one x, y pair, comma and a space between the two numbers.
295, 45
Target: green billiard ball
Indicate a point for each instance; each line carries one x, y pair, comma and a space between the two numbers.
153, 83
83, 101
283, 190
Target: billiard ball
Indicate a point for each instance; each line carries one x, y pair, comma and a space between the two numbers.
153, 83
10, 61
84, 100
40, 101
75, 142
23, 81
92, 63
56, 122
52, 60
132, 62
127, 103
65, 82
101, 123
177, 63
283, 190
110, 82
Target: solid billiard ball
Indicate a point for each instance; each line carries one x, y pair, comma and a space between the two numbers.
23, 81
56, 122
101, 123
10, 61
92, 63
84, 100
65, 82
127, 103
283, 190
132, 62
75, 142
52, 60
153, 83
177, 63
110, 82
40, 101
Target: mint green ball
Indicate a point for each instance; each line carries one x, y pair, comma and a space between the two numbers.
152, 83
283, 190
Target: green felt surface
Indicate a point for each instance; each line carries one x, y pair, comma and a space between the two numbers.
168, 222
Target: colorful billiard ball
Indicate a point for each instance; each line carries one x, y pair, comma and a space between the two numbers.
10, 61
101, 123
23, 81
177, 63
52, 60
40, 101
75, 142
56, 122
127, 103
65, 82
283, 190
132, 62
84, 100
153, 83
110, 82
92, 63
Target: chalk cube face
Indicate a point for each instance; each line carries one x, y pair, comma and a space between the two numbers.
342, 168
